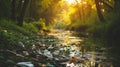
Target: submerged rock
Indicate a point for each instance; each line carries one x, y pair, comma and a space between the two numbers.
48, 53
70, 65
56, 52
24, 64
49, 65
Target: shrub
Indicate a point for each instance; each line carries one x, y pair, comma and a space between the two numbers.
11, 34
8, 40
39, 24
30, 27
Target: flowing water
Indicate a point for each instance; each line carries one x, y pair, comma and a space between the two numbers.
70, 45
65, 46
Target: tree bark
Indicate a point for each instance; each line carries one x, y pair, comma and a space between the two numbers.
13, 10
22, 13
117, 5
19, 7
101, 18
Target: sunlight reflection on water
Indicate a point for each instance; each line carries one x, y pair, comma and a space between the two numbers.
73, 44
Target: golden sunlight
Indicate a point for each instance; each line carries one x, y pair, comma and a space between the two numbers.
73, 1
70, 1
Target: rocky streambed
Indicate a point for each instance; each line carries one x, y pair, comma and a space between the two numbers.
59, 48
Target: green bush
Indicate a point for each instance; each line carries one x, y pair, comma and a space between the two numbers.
113, 33
47, 29
9, 25
30, 27
11, 34
86, 24
39, 24
8, 40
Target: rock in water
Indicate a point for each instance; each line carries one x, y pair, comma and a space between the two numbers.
70, 65
25, 64
56, 52
49, 65
48, 53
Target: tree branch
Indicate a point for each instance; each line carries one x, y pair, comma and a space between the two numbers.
106, 4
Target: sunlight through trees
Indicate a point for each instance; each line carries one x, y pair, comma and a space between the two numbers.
96, 20
72, 1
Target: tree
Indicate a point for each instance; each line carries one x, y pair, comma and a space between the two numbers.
50, 10
19, 10
13, 10
22, 13
117, 5
99, 11
45, 9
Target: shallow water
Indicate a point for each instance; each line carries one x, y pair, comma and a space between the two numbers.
72, 43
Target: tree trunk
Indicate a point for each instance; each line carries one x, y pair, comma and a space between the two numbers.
13, 10
117, 5
19, 7
22, 13
101, 18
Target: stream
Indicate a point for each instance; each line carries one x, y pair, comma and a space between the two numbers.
72, 43
66, 47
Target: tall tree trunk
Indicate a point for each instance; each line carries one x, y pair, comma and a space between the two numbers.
19, 8
117, 5
13, 10
101, 18
22, 13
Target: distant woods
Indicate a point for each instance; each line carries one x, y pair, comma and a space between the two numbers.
18, 10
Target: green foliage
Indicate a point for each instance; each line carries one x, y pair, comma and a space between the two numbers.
113, 32
8, 40
113, 40
42, 26
97, 31
8, 25
91, 43
77, 24
46, 9
108, 34
88, 25
47, 29
30, 27
39, 24
11, 34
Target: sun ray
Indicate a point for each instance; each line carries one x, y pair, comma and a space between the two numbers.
72, 1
